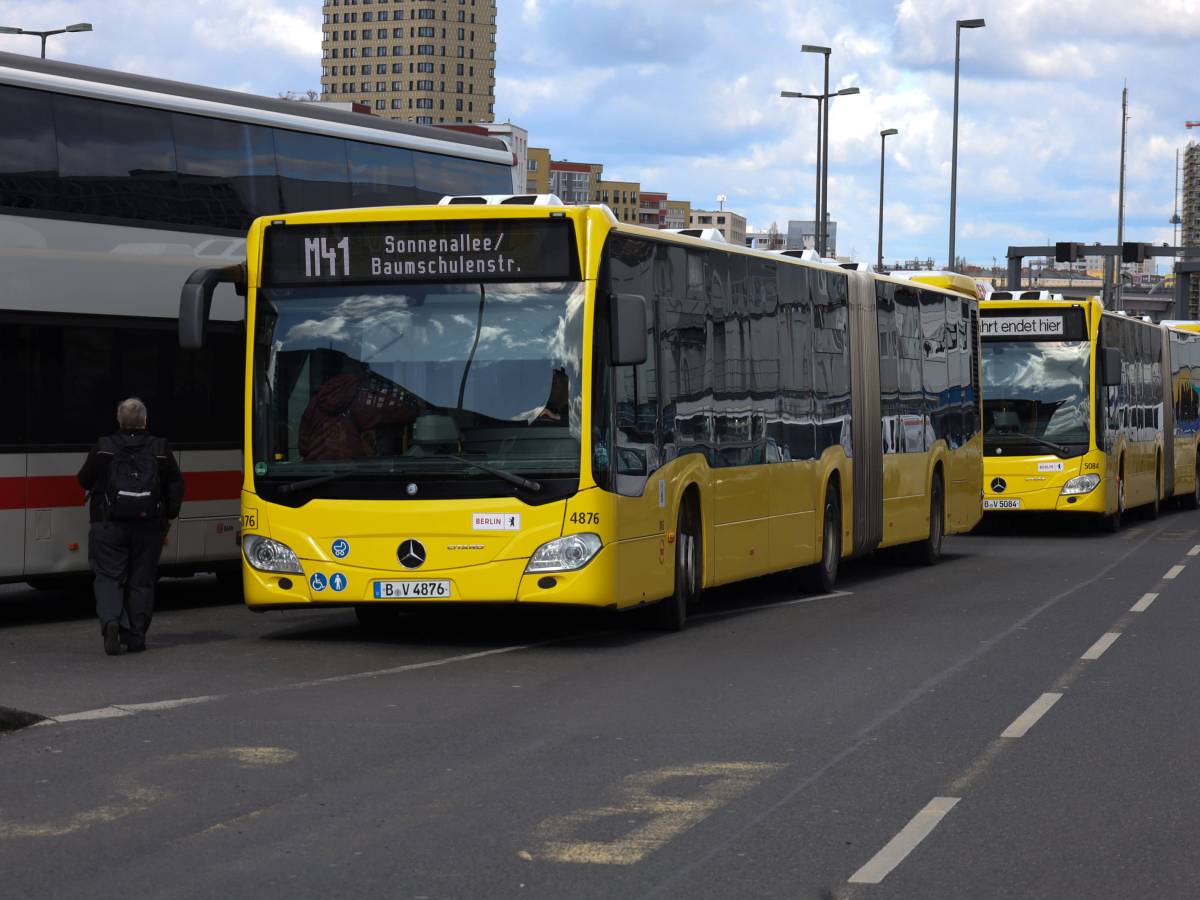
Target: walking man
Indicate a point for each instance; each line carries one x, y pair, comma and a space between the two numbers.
135, 489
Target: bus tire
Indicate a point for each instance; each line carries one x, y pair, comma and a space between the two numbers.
1192, 500
1112, 523
929, 551
671, 613
1155, 506
821, 577
376, 616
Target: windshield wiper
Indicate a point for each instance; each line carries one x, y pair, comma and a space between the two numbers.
1057, 448
511, 478
292, 486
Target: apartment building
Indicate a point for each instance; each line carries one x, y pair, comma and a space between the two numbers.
1189, 228
652, 210
621, 197
731, 225
679, 214
574, 182
431, 62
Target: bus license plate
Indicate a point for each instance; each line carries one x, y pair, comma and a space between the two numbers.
411, 590
1006, 503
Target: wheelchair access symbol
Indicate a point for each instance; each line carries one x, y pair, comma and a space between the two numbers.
317, 581
341, 548
337, 581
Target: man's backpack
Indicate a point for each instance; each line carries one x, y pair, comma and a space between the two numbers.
134, 490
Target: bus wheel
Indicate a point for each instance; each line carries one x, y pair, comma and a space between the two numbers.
1192, 500
820, 578
374, 616
672, 611
1155, 506
1113, 523
929, 551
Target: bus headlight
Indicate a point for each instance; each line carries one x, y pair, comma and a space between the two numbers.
267, 555
1080, 484
565, 554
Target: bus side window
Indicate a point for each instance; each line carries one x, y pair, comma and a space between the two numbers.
631, 271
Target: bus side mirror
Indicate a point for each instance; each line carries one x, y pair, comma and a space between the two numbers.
628, 321
1112, 367
195, 301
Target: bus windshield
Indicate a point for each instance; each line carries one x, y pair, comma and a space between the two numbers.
1036, 397
414, 382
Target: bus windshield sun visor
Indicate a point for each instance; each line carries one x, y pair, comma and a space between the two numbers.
195, 301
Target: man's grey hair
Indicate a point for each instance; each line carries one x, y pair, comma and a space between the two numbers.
131, 413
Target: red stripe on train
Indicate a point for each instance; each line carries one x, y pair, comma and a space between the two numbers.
45, 491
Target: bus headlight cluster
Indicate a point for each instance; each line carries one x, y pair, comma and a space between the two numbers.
565, 554
267, 555
1080, 484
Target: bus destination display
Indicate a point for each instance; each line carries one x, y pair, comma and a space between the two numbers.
462, 250
1066, 325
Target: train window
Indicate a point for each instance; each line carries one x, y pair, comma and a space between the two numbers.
115, 160
381, 176
226, 171
28, 155
312, 171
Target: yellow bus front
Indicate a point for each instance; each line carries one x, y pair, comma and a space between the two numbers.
1041, 405
417, 429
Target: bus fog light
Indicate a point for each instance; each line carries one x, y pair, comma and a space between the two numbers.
267, 555
565, 554
1081, 484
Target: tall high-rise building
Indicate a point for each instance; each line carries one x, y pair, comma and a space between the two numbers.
427, 61
1189, 229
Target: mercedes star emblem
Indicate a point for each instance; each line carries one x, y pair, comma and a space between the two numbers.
998, 485
411, 554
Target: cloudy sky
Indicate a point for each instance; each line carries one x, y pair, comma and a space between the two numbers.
683, 96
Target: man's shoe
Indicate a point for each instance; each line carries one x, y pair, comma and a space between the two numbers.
112, 638
135, 645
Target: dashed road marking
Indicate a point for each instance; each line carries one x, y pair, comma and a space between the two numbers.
1173, 572
1195, 551
1029, 718
1097, 649
905, 841
1143, 604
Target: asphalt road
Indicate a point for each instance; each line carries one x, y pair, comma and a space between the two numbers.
1019, 721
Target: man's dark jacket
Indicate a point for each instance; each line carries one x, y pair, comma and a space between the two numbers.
94, 474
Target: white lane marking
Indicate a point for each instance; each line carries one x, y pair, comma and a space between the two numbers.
1173, 572
1195, 551
88, 715
779, 604
1106, 640
1028, 719
895, 850
129, 709
1143, 604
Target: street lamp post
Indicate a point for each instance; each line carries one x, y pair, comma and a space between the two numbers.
78, 26
822, 100
883, 136
958, 27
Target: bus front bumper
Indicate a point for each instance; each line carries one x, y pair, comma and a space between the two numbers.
502, 581
1045, 499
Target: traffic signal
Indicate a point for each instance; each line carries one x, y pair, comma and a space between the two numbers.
1133, 252
1066, 251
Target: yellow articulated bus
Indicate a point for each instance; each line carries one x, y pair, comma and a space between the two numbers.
510, 400
1085, 410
